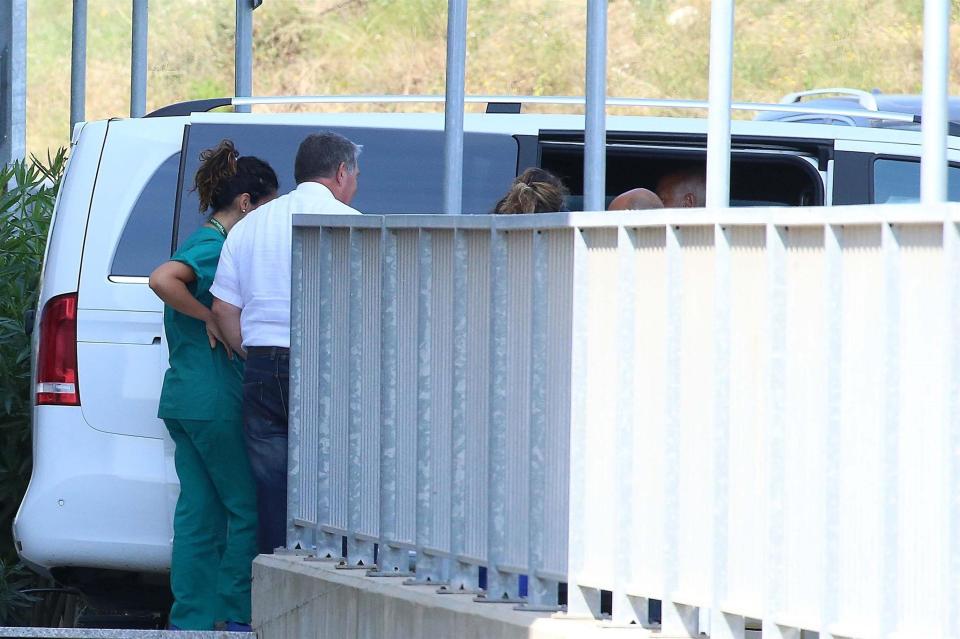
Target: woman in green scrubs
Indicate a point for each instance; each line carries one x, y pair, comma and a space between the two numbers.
215, 524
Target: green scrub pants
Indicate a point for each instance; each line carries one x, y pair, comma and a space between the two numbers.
215, 524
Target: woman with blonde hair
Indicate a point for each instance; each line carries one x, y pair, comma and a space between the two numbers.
215, 523
534, 191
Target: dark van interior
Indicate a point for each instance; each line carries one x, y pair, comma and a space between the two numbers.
758, 177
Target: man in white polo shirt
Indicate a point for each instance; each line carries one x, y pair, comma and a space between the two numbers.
252, 307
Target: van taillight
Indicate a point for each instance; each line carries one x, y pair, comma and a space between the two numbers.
57, 357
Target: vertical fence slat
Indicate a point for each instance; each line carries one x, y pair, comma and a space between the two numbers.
748, 402
935, 109
515, 537
364, 396
339, 424
626, 608
328, 540
549, 565
775, 436
78, 64
833, 290
392, 558
922, 497
861, 397
430, 565
501, 584
653, 288
243, 52
677, 618
559, 312
138, 59
595, 126
464, 576
890, 466
453, 107
722, 625
951, 451
477, 398
408, 286
303, 469
581, 600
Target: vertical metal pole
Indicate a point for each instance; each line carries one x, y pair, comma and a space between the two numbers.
13, 80
453, 110
936, 69
78, 64
721, 81
243, 52
595, 152
138, 60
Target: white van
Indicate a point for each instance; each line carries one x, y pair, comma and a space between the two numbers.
98, 511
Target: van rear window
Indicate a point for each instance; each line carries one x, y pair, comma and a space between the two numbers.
898, 181
145, 241
401, 170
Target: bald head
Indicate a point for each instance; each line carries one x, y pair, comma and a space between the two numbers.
635, 200
683, 189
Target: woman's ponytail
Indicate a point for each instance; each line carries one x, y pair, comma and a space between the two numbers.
534, 191
223, 175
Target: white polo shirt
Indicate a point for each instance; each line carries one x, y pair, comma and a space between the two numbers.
254, 269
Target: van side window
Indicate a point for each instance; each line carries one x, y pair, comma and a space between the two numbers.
401, 170
145, 241
898, 181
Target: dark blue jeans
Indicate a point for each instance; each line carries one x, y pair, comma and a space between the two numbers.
266, 385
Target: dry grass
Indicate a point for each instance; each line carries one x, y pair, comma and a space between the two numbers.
658, 48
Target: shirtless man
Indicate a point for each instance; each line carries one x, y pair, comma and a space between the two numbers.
635, 200
685, 188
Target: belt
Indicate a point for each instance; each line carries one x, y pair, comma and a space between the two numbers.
270, 352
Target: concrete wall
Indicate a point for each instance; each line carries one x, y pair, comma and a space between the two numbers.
296, 598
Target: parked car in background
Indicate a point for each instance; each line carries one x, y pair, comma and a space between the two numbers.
98, 511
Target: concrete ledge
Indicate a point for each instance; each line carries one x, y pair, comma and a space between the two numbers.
294, 599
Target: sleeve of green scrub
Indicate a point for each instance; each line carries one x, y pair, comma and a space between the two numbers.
202, 257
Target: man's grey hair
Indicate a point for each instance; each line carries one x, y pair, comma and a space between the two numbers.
321, 154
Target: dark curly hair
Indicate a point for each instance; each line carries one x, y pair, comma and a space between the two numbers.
224, 174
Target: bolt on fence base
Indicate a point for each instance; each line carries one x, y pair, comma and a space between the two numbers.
376, 572
430, 571
450, 589
344, 564
426, 581
504, 599
391, 562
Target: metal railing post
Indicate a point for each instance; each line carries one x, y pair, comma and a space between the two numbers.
78, 63
936, 70
13, 81
243, 52
595, 153
721, 81
138, 60
453, 110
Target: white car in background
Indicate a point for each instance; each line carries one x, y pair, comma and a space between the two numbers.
98, 511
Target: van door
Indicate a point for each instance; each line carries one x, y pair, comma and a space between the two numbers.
120, 358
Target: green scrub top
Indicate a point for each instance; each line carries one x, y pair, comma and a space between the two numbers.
201, 383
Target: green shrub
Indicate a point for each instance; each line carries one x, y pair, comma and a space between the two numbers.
28, 191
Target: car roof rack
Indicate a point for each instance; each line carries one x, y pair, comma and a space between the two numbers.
866, 99
509, 104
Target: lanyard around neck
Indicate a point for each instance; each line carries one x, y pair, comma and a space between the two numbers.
217, 225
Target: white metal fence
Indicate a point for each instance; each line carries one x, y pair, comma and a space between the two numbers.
753, 412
